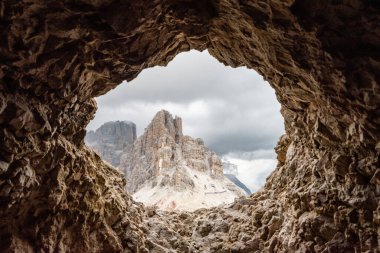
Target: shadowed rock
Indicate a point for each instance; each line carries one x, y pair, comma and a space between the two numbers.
321, 57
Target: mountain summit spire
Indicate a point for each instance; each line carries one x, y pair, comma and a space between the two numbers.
174, 171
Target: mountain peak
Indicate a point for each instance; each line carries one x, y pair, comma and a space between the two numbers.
111, 139
163, 123
166, 168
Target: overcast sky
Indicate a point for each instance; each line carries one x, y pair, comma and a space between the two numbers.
234, 111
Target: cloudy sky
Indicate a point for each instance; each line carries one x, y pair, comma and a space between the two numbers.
233, 110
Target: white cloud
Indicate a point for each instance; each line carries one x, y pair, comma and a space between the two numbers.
232, 110
253, 173
253, 155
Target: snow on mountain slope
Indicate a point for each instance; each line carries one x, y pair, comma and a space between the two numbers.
231, 172
207, 192
237, 182
166, 169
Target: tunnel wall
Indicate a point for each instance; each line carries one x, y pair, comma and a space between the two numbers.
321, 57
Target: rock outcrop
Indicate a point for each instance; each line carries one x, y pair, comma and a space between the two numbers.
171, 171
321, 57
215, 230
112, 139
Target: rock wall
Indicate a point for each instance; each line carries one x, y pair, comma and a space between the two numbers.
164, 150
321, 57
112, 139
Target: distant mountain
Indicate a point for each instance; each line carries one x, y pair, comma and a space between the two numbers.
166, 169
229, 168
236, 181
231, 172
112, 139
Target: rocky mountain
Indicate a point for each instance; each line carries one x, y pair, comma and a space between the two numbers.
112, 139
321, 57
166, 169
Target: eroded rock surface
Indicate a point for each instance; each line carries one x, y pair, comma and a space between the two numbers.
321, 57
245, 226
172, 171
112, 139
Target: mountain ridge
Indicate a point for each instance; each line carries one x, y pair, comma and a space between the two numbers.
170, 170
112, 139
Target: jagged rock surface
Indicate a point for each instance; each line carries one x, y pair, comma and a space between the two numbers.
321, 57
238, 228
112, 139
171, 171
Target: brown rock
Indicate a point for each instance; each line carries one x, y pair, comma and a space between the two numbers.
321, 57
165, 160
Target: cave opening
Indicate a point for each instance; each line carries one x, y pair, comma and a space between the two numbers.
57, 195
232, 112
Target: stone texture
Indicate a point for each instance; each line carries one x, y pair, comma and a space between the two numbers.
164, 147
112, 139
172, 164
154, 151
321, 57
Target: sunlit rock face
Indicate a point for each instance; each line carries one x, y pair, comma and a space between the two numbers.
172, 171
112, 139
321, 57
164, 147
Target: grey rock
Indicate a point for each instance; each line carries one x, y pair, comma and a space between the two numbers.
112, 139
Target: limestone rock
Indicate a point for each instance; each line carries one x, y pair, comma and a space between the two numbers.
112, 139
172, 171
321, 57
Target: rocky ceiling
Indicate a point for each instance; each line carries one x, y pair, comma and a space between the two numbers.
321, 57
